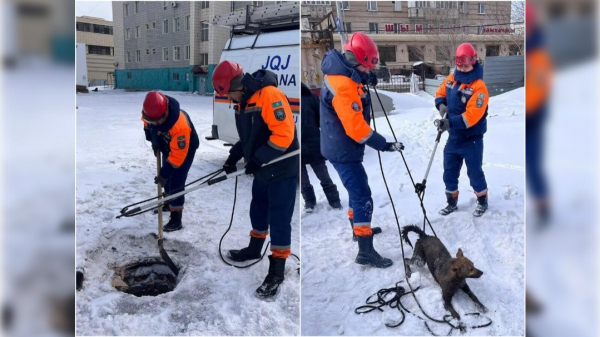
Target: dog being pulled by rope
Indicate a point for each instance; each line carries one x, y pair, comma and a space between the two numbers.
450, 273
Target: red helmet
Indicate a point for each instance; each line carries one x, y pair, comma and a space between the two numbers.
363, 48
465, 54
223, 74
155, 107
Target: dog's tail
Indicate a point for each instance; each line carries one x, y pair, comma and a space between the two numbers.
412, 228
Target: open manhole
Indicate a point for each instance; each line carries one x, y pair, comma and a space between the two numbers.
148, 277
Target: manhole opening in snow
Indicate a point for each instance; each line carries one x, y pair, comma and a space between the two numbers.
144, 278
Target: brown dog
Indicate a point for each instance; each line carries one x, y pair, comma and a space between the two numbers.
450, 273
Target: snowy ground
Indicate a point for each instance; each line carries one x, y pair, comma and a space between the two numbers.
333, 285
115, 167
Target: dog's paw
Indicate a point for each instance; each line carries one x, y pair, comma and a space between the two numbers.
455, 315
481, 308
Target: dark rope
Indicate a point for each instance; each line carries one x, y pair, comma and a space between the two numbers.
229, 228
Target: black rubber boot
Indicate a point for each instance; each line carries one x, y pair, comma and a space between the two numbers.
174, 223
251, 252
274, 278
333, 197
482, 206
375, 230
310, 200
367, 254
309, 206
451, 207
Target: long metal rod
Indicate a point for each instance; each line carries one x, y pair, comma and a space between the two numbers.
437, 141
153, 203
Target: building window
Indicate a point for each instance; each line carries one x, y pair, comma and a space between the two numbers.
136, 7
371, 5
165, 26
373, 28
348, 27
187, 77
204, 59
138, 56
398, 6
98, 50
126, 9
137, 32
317, 3
165, 5
127, 34
154, 25
128, 56
176, 53
177, 24
147, 51
514, 49
165, 54
481, 8
147, 26
345, 5
443, 53
464, 7
129, 75
492, 51
387, 54
186, 56
153, 51
175, 76
204, 33
415, 53
187, 22
204, 4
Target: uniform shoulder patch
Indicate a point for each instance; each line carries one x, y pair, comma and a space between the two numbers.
276, 104
279, 114
481, 95
355, 106
479, 102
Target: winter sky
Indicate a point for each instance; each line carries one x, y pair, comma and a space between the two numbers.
98, 9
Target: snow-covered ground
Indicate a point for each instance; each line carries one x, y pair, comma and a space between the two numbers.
115, 167
333, 285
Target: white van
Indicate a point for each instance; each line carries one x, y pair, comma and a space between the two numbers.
277, 52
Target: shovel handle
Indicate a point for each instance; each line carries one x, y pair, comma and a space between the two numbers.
159, 189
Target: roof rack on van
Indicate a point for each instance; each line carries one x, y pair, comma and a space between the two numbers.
269, 18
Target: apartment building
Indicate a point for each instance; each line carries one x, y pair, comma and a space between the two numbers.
97, 34
167, 45
410, 31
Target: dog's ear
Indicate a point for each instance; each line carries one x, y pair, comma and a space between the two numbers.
459, 253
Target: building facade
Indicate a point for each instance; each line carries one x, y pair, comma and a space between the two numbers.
97, 34
168, 45
410, 31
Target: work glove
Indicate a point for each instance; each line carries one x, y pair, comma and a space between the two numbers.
442, 124
393, 146
443, 110
372, 81
252, 167
230, 165
160, 180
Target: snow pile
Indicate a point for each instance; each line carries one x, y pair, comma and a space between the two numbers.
115, 167
333, 285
